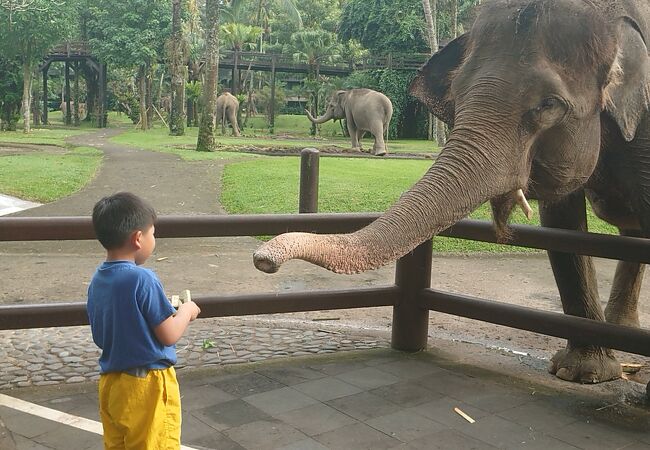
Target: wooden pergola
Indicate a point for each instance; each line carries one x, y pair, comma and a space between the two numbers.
78, 56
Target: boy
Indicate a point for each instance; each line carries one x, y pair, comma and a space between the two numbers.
136, 327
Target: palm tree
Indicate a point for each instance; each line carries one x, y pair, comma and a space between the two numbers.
239, 36
314, 47
234, 12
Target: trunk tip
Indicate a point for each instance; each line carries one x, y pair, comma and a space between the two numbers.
264, 262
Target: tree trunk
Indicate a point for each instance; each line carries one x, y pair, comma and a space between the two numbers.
454, 18
431, 24
66, 93
206, 141
149, 96
27, 90
91, 97
190, 115
77, 119
430, 7
177, 116
36, 112
143, 97
314, 109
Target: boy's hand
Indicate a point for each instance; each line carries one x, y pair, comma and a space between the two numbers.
192, 308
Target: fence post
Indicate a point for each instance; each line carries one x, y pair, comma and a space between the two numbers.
272, 105
410, 322
308, 202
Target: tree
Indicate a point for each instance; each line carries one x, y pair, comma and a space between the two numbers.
314, 47
10, 89
260, 13
385, 26
195, 44
177, 52
239, 36
27, 30
430, 8
205, 140
131, 34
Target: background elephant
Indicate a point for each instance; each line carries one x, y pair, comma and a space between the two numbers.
547, 96
227, 107
364, 110
82, 109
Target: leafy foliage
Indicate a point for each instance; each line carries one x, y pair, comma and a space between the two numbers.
239, 36
314, 47
129, 33
393, 83
264, 101
30, 32
385, 26
11, 84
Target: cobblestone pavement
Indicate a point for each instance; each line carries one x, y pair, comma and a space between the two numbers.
42, 357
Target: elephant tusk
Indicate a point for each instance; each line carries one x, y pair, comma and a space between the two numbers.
520, 198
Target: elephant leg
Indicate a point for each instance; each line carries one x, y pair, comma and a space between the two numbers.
576, 280
379, 149
232, 118
353, 132
624, 296
360, 134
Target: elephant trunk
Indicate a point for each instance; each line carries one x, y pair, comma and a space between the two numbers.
322, 119
465, 175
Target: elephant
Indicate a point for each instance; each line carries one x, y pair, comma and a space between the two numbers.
82, 109
550, 97
227, 107
364, 110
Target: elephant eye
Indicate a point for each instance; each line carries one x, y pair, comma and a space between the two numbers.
547, 103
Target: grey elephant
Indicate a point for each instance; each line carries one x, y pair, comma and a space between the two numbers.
228, 107
364, 110
546, 97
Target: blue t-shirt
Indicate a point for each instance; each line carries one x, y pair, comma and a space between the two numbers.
125, 304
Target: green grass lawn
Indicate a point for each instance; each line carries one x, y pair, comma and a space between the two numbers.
290, 132
46, 177
49, 136
271, 185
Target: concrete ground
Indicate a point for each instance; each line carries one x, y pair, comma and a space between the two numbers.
373, 399
10, 205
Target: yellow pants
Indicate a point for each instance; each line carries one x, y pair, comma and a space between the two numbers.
140, 413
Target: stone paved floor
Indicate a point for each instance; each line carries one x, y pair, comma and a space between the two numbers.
372, 399
42, 357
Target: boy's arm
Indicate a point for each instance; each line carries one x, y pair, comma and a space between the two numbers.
170, 330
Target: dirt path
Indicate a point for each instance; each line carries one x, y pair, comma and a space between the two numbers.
60, 271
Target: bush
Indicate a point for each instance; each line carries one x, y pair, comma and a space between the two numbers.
263, 101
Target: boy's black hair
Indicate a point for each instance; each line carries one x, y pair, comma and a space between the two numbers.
117, 216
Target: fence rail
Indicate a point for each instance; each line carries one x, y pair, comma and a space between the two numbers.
80, 228
411, 296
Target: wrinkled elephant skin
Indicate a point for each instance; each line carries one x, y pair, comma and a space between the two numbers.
550, 97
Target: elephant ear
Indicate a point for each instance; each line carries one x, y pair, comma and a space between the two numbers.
628, 94
433, 82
